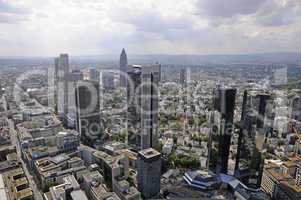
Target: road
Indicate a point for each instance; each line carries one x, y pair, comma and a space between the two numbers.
14, 139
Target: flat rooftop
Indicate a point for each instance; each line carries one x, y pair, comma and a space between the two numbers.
22, 194
149, 153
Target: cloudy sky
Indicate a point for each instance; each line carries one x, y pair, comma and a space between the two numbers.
91, 27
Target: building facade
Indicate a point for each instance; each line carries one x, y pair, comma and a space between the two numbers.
88, 112
249, 160
123, 64
62, 76
222, 129
149, 105
134, 106
149, 173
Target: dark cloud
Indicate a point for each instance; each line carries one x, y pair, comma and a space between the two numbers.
228, 8
264, 12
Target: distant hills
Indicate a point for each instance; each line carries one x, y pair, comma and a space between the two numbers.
260, 58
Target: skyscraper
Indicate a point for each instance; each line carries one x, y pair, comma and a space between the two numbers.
74, 77
134, 106
149, 106
123, 68
220, 137
149, 173
1, 90
183, 77
296, 108
88, 111
62, 75
94, 75
249, 159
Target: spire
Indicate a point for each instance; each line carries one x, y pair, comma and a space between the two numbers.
123, 51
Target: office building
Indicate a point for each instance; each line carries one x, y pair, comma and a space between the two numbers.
94, 75
263, 98
68, 189
17, 185
126, 192
67, 141
88, 112
114, 167
183, 77
95, 188
1, 90
149, 173
249, 159
74, 77
222, 130
296, 108
134, 106
202, 180
56, 81
93, 185
62, 73
281, 180
150, 77
123, 64
108, 80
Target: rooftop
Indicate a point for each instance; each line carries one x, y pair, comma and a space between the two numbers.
149, 153
22, 194
78, 195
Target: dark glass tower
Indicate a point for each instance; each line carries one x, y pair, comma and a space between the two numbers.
249, 159
149, 106
88, 111
222, 129
296, 108
133, 106
183, 77
149, 173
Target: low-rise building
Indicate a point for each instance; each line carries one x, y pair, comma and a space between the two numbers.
167, 147
95, 189
282, 180
202, 180
68, 189
126, 192
50, 170
67, 140
17, 185
112, 166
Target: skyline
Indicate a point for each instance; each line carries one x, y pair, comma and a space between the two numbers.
202, 27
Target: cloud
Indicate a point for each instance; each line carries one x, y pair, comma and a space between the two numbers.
277, 13
6, 7
11, 18
171, 26
12, 13
228, 8
149, 20
262, 12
